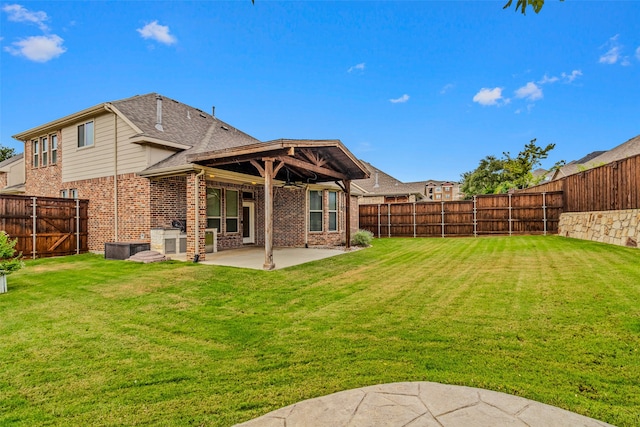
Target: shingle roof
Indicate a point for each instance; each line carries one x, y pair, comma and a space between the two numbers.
627, 149
388, 185
379, 182
181, 124
10, 160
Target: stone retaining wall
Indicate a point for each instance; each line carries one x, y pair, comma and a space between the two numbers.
615, 227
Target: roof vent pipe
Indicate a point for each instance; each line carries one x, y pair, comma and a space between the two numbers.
159, 113
376, 185
213, 111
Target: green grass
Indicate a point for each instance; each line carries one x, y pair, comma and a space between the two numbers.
84, 341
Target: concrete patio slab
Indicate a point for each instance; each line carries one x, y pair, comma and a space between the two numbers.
420, 404
253, 256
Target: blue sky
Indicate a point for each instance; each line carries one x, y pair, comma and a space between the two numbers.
421, 89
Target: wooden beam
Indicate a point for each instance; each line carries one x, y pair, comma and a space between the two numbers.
257, 166
311, 167
268, 215
277, 168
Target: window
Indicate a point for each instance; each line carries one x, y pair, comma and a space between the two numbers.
447, 196
63, 194
447, 188
438, 189
231, 210
73, 193
35, 149
213, 208
54, 149
44, 143
315, 210
333, 211
85, 134
438, 196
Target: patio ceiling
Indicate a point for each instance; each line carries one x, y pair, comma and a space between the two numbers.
306, 161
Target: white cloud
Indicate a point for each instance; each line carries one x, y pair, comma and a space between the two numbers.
569, 78
546, 79
638, 53
530, 92
446, 88
564, 77
38, 48
614, 53
358, 67
18, 13
490, 97
402, 99
157, 32
611, 57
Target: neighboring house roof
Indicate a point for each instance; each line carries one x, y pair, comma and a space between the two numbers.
6, 162
380, 183
5, 167
627, 149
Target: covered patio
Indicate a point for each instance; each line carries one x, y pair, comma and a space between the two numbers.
294, 162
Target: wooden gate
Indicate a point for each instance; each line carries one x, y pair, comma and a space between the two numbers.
45, 226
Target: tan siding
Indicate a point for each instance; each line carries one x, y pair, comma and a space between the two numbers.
88, 162
97, 161
132, 157
157, 154
16, 173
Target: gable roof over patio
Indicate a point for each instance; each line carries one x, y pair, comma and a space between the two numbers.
309, 161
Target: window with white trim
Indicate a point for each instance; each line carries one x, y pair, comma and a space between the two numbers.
44, 144
85, 134
333, 210
231, 210
54, 149
315, 210
73, 193
63, 194
214, 196
35, 148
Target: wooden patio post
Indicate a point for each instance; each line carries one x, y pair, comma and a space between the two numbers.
268, 215
347, 187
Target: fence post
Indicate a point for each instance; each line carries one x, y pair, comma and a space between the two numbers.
544, 211
378, 220
77, 226
475, 217
414, 220
389, 219
442, 212
510, 214
34, 223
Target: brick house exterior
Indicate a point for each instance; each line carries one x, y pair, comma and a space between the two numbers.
134, 160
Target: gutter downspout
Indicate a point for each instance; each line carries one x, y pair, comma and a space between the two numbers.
115, 178
196, 257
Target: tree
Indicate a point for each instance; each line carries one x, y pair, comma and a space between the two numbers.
495, 176
522, 5
6, 152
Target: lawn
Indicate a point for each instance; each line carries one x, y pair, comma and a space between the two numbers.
85, 341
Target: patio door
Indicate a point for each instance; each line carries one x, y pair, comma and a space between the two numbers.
248, 222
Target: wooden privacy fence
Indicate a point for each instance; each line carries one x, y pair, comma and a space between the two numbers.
45, 226
500, 214
614, 186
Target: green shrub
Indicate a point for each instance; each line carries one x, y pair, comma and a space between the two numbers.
8, 261
362, 238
